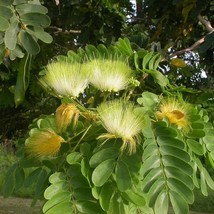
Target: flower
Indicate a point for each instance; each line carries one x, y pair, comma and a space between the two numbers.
108, 75
43, 143
65, 113
119, 119
65, 79
176, 112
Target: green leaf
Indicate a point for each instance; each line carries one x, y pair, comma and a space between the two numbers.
103, 50
208, 178
83, 194
155, 190
102, 155
106, 195
178, 203
169, 160
32, 177
179, 187
146, 59
35, 19
172, 172
6, 3
150, 178
57, 199
17, 2
73, 157
55, 188
196, 133
10, 37
123, 177
150, 163
176, 152
159, 78
42, 178
203, 184
29, 44
124, 46
85, 149
166, 132
88, 207
4, 24
31, 8
9, 183
195, 146
57, 177
64, 207
19, 177
134, 198
148, 99
169, 141
102, 172
162, 203
40, 34
5, 12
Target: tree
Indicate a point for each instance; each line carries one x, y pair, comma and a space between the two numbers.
128, 137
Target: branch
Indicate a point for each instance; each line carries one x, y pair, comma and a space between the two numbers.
209, 28
206, 23
60, 30
191, 48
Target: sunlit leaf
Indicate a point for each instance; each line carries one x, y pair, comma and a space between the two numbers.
57, 199
162, 203
66, 207
195, 146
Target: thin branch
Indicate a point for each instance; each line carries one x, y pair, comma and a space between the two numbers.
209, 28
60, 30
206, 23
191, 48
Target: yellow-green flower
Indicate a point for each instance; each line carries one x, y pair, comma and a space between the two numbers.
43, 143
119, 119
65, 79
108, 75
176, 112
66, 113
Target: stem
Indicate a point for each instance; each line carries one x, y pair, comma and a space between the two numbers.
81, 138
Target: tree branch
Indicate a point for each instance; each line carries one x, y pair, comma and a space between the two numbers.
209, 28
206, 23
60, 30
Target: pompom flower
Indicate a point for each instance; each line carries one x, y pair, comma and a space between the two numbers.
65, 79
43, 143
175, 112
119, 119
65, 114
108, 75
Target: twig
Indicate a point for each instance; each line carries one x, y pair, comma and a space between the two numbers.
209, 28
60, 30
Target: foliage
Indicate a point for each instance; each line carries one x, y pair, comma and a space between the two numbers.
94, 170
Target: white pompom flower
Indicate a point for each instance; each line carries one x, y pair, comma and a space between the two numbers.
108, 75
119, 119
65, 79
